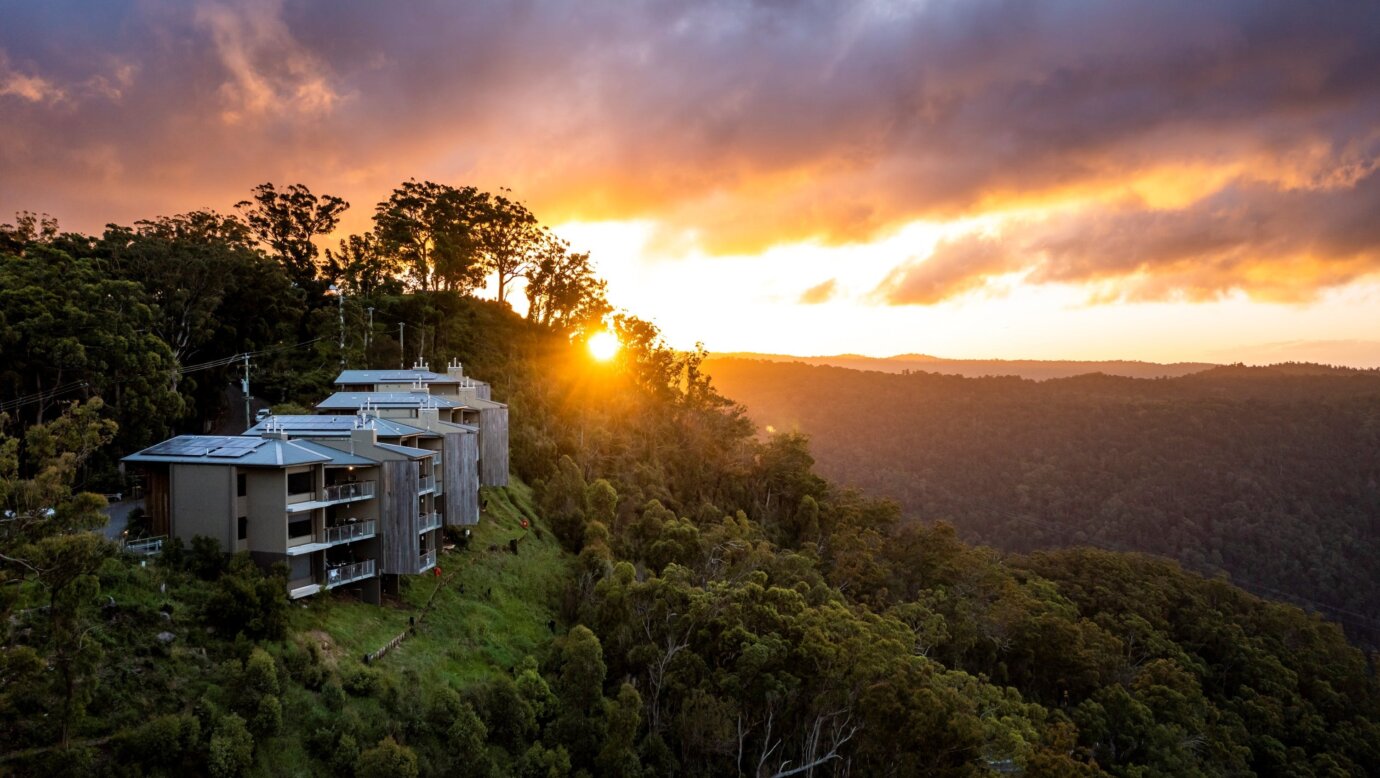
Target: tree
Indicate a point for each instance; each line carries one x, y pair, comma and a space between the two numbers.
430, 228
363, 267
47, 539
509, 239
232, 748
69, 329
288, 222
562, 290
388, 759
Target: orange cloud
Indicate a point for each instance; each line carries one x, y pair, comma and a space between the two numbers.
1274, 244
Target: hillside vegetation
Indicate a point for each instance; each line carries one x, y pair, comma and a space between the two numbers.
1271, 475
689, 598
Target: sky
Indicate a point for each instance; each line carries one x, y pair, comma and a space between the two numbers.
1168, 181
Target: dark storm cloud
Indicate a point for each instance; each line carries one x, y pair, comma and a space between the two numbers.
733, 125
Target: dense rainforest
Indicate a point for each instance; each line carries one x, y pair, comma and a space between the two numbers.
663, 590
1269, 474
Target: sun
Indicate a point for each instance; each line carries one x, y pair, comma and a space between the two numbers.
603, 345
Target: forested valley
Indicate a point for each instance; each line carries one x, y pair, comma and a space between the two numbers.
1270, 474
665, 588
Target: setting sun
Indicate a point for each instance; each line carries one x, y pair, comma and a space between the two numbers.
603, 346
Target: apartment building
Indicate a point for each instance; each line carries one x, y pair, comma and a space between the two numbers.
314, 507
353, 496
456, 466
421, 397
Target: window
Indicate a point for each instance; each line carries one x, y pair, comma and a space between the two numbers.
241, 488
299, 483
244, 525
297, 529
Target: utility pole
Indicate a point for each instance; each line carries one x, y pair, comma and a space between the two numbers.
244, 388
367, 334
402, 352
340, 305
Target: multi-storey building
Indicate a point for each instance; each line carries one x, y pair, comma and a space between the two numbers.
456, 397
344, 499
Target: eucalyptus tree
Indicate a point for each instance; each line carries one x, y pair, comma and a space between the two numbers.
289, 223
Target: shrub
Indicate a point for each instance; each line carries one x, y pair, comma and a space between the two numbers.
232, 748
387, 760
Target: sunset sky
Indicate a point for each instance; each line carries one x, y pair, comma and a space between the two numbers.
1160, 180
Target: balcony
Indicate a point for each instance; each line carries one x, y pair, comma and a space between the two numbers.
334, 536
335, 494
347, 574
429, 521
426, 483
425, 562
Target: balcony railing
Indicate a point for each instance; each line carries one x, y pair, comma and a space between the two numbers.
429, 521
426, 561
345, 533
426, 483
146, 546
344, 574
354, 490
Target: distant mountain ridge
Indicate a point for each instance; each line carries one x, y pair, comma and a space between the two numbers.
1035, 369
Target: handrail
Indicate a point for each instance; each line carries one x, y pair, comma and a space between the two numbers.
346, 532
348, 491
427, 561
339, 576
429, 521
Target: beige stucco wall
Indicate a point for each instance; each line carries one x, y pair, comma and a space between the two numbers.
203, 498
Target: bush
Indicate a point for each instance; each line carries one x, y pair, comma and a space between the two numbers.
268, 716
161, 742
206, 559
232, 748
363, 682
387, 760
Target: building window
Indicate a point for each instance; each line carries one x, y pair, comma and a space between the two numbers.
300, 483
297, 529
244, 526
241, 487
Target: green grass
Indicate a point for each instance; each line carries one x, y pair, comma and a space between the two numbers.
492, 607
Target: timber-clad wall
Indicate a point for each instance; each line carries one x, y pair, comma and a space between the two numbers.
398, 515
493, 446
483, 391
461, 478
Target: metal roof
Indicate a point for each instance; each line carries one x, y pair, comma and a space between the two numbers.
407, 451
231, 450
394, 377
351, 401
331, 426
338, 457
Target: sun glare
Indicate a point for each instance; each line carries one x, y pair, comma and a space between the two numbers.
603, 346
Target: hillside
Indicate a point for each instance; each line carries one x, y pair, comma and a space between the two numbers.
1269, 474
689, 597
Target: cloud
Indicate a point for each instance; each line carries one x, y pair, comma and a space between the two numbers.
732, 126
820, 293
1272, 244
29, 87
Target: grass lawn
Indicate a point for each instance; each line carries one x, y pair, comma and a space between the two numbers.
490, 609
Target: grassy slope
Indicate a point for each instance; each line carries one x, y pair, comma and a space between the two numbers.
501, 615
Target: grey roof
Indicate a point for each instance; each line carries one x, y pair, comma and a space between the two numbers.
231, 450
394, 377
337, 456
407, 451
351, 401
331, 426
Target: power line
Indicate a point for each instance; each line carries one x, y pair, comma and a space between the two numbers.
48, 394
